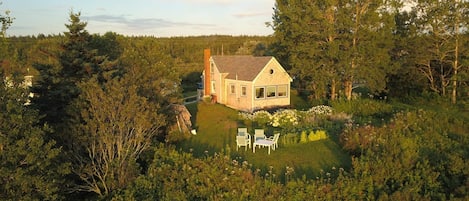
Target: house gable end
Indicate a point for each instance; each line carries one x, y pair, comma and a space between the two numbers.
279, 70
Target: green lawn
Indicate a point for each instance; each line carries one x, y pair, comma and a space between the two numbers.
216, 130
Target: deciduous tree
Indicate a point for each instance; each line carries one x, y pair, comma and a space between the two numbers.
443, 27
117, 124
327, 42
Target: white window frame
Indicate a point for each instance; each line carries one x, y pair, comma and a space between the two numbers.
263, 93
213, 87
269, 93
286, 91
244, 90
232, 89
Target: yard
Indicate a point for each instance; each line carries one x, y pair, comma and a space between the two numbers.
216, 130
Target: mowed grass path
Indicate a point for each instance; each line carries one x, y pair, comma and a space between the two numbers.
216, 131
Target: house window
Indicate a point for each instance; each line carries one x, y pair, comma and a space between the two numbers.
232, 89
243, 91
260, 92
271, 91
282, 91
212, 71
213, 87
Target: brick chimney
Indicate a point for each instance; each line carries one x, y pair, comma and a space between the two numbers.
207, 77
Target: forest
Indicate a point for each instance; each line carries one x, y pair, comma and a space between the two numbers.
95, 123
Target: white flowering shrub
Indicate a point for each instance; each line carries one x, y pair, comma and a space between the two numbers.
245, 116
295, 125
262, 117
321, 110
286, 119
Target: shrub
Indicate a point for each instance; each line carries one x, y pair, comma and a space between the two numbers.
321, 110
321, 134
363, 107
290, 138
177, 136
286, 119
311, 136
318, 135
262, 118
357, 139
303, 137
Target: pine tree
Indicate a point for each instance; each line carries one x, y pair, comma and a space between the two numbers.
31, 166
57, 85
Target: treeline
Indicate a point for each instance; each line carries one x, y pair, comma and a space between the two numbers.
185, 54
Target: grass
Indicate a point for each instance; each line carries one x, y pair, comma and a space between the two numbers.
216, 130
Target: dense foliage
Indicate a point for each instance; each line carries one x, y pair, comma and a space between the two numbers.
335, 46
31, 166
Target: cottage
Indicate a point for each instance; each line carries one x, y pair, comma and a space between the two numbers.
246, 83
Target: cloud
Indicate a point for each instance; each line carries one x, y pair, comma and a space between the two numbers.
251, 14
141, 23
101, 9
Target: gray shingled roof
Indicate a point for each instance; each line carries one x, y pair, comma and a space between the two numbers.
245, 67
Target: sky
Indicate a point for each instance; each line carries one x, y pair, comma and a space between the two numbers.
159, 18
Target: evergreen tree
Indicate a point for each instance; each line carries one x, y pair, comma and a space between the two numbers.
57, 85
31, 166
407, 81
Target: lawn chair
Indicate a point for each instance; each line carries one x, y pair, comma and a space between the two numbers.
259, 134
242, 131
243, 141
274, 139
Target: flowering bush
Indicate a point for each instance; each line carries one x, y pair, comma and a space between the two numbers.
297, 125
245, 116
262, 117
285, 119
321, 110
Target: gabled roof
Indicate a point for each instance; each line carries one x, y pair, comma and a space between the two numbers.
244, 68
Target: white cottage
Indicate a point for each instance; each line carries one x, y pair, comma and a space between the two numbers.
246, 83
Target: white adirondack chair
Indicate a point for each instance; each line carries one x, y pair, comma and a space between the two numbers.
243, 141
259, 134
242, 131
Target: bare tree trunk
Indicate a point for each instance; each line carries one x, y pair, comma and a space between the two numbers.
348, 89
455, 85
456, 57
333, 95
443, 86
360, 9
